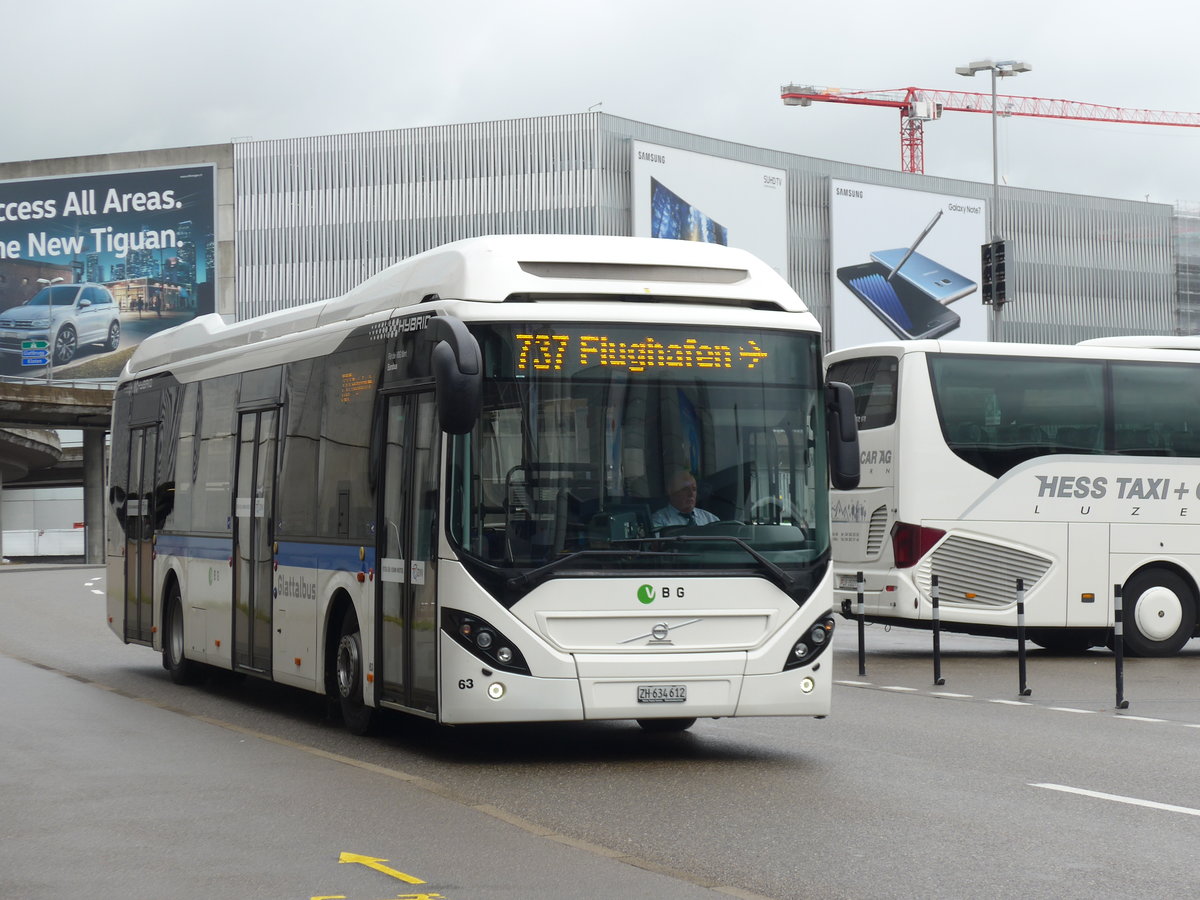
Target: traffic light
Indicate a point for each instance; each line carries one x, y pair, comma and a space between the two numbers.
992, 257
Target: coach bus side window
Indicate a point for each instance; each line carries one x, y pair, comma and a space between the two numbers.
1153, 413
996, 413
873, 380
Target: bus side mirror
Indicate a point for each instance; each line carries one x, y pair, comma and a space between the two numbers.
457, 369
841, 427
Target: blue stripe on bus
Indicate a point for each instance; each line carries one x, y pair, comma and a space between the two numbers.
194, 547
331, 557
335, 557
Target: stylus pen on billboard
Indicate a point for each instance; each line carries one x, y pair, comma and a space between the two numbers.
916, 243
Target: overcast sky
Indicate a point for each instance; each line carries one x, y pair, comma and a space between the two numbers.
82, 77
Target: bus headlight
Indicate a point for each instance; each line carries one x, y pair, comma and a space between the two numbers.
812, 645
496, 690
483, 641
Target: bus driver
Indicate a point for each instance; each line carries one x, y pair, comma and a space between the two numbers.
681, 508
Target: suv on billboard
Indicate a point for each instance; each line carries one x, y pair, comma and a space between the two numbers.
66, 315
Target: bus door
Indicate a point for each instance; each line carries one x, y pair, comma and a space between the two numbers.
407, 532
253, 534
139, 534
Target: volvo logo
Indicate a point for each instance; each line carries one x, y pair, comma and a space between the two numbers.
660, 633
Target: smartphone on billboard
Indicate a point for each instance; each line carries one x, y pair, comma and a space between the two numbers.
942, 284
908, 311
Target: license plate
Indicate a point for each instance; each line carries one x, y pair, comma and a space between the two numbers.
662, 693
847, 582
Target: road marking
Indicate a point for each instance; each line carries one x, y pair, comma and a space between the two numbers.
854, 683
1011, 702
378, 865
1117, 798
896, 687
1072, 710
418, 782
950, 695
1140, 719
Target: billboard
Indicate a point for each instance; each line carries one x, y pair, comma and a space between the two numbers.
91, 264
905, 264
693, 197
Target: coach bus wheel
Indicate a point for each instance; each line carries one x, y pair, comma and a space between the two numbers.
666, 726
181, 669
1159, 613
357, 716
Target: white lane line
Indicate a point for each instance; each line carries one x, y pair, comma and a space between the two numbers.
950, 695
1011, 702
1140, 719
1086, 712
854, 683
897, 688
1116, 798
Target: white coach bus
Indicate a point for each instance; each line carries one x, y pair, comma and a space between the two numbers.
1071, 468
437, 493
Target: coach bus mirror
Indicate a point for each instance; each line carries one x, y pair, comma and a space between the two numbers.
842, 431
458, 374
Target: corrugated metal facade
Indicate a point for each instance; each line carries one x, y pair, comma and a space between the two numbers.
316, 216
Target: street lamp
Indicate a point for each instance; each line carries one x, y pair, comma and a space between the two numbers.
1004, 68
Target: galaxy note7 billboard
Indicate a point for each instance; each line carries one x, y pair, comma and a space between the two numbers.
92, 264
905, 265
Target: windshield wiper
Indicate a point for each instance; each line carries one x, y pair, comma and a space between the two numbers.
519, 581
776, 574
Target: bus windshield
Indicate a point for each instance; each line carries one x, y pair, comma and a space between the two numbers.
590, 435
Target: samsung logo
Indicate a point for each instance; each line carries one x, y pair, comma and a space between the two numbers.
652, 157
848, 192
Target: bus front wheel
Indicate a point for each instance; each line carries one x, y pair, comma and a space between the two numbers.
357, 716
181, 669
1159, 613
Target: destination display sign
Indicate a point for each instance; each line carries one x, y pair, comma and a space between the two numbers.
653, 351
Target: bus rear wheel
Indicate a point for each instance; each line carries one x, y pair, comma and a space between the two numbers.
357, 716
1159, 613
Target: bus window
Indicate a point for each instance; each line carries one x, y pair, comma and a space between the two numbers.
873, 380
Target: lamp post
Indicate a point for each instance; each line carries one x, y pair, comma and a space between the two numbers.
1004, 68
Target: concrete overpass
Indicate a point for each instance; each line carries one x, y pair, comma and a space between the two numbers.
30, 452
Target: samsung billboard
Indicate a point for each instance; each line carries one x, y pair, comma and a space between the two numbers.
905, 264
91, 264
689, 196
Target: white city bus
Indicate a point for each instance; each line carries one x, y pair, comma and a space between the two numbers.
435, 493
1072, 468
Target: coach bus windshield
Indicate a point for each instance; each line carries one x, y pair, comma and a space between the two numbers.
595, 441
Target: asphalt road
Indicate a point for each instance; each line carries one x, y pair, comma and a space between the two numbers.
114, 782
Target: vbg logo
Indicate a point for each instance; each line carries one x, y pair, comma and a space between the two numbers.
645, 594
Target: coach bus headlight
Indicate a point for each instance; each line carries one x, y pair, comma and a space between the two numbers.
812, 645
484, 641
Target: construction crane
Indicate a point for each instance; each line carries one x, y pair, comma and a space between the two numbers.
918, 106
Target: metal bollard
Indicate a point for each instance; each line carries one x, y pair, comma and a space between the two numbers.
937, 634
862, 627
1119, 645
1024, 689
